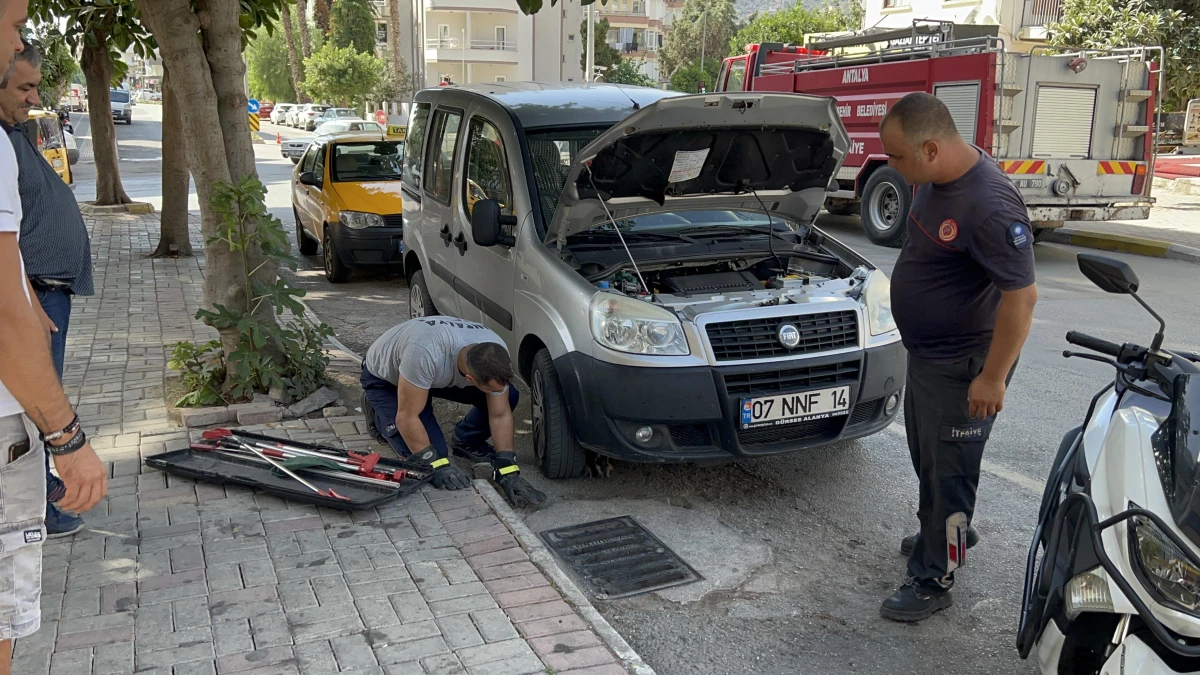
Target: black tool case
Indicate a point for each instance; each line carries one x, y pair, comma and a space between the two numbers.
224, 468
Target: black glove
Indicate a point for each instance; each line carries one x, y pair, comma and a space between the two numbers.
446, 476
517, 490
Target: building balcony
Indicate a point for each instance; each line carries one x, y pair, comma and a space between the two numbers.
477, 51
1037, 16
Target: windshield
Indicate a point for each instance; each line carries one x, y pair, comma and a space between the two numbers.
553, 152
318, 108
346, 112
118, 96
366, 161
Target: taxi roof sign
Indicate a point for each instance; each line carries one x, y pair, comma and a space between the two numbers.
397, 130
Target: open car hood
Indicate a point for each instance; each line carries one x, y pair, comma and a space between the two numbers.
707, 152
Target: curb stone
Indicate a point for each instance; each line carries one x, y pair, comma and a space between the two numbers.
1121, 243
1184, 185
574, 596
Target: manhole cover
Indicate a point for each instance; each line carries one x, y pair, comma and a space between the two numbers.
616, 558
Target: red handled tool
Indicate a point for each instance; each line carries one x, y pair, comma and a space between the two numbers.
245, 446
364, 464
343, 471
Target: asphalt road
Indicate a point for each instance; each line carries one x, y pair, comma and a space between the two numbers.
797, 551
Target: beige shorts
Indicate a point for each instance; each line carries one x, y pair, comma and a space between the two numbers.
22, 527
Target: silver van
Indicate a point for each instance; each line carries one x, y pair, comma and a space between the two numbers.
652, 263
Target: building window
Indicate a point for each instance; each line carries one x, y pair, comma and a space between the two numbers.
501, 37
892, 4
501, 78
570, 37
444, 35
381, 33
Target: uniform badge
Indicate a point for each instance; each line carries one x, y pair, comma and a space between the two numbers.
1019, 235
949, 230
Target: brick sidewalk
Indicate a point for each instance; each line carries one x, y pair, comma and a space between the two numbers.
176, 577
1175, 218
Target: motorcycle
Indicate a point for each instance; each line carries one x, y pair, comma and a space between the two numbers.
1112, 579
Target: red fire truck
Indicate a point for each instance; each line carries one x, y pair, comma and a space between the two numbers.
1073, 129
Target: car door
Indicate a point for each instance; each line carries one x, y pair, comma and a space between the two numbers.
484, 275
309, 196
438, 214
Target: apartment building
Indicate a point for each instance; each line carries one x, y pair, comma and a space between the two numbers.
467, 41
636, 29
1022, 23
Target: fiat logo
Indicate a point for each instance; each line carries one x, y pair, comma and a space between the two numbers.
788, 335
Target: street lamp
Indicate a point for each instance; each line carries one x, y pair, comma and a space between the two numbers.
464, 63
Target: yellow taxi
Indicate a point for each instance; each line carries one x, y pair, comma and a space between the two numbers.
346, 200
44, 130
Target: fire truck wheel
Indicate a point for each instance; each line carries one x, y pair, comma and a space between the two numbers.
885, 203
1040, 233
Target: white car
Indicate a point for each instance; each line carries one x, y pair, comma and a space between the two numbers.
280, 111
306, 117
72, 147
339, 126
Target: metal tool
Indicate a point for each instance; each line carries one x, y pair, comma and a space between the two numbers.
324, 493
328, 473
364, 464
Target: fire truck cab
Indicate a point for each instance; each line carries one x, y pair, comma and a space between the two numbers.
1074, 129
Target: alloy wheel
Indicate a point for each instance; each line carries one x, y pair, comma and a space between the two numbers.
416, 303
538, 404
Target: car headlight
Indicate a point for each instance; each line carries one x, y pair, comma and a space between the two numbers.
636, 327
1163, 567
359, 221
878, 298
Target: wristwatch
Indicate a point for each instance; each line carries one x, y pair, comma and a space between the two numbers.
69, 429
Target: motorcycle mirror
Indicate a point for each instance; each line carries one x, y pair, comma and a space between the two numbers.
1109, 274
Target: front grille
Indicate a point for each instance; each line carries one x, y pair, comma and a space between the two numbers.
757, 338
691, 435
792, 379
801, 431
394, 220
864, 412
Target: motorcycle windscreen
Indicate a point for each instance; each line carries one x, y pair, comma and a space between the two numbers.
1179, 436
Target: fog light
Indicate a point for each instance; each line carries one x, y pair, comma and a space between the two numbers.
889, 406
643, 435
1088, 592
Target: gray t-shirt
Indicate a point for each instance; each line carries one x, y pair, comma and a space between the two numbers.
425, 351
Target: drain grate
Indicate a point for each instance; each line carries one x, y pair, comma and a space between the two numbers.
617, 558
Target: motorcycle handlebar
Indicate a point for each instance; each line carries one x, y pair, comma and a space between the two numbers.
1093, 343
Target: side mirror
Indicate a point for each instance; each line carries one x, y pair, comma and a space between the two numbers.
487, 224
1109, 274
309, 178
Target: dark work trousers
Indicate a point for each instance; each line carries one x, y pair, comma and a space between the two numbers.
946, 445
57, 306
473, 430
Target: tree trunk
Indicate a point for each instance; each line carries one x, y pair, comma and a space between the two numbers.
322, 9
293, 61
98, 72
305, 39
394, 29
174, 240
176, 29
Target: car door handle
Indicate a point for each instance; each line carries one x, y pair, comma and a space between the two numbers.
461, 242
445, 235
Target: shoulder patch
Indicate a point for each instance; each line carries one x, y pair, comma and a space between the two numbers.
1020, 235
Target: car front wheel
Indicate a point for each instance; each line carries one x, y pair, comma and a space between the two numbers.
558, 454
335, 271
419, 301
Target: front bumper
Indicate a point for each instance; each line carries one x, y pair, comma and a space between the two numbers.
696, 412
1084, 212
293, 153
373, 246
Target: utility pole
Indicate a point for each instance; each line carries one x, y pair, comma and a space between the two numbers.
464, 63
703, 36
590, 74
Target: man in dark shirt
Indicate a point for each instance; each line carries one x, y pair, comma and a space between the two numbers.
54, 240
963, 295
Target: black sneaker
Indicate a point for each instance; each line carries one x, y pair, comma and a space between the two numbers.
914, 601
907, 543
481, 452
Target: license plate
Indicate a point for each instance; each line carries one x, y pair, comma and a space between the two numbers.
1029, 182
768, 411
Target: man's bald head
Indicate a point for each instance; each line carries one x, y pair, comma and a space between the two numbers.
921, 140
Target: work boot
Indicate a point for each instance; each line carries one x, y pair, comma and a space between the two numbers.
915, 601
907, 543
476, 452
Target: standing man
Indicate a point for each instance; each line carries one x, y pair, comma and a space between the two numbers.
454, 360
35, 415
54, 239
963, 295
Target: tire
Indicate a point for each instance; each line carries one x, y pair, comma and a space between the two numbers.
558, 454
1040, 233
335, 271
885, 202
841, 209
419, 301
295, 160
306, 244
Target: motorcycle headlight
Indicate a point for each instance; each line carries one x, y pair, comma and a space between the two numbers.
1088, 592
636, 327
877, 295
1163, 567
358, 221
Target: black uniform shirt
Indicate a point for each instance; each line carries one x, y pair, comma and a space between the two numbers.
968, 240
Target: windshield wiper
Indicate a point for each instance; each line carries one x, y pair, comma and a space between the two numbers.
632, 236
716, 230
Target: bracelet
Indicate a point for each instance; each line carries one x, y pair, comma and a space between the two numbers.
70, 428
77, 441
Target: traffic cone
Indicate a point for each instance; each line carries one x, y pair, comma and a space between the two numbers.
278, 138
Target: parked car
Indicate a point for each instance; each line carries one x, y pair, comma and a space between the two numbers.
122, 105
306, 118
290, 119
72, 148
334, 114
652, 263
341, 126
346, 199
264, 110
280, 111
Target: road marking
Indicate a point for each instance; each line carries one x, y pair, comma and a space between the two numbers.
1021, 480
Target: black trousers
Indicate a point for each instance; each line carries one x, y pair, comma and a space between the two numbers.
946, 445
